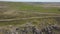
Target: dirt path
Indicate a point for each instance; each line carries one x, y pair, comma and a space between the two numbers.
38, 12
32, 12
27, 18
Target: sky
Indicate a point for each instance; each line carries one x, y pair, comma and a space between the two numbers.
32, 0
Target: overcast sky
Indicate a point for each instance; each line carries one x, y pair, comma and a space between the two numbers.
33, 0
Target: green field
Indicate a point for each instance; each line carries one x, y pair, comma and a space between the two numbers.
19, 13
17, 10
27, 7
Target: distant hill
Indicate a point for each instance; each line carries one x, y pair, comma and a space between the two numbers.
53, 3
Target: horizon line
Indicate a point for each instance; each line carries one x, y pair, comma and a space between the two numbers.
29, 1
